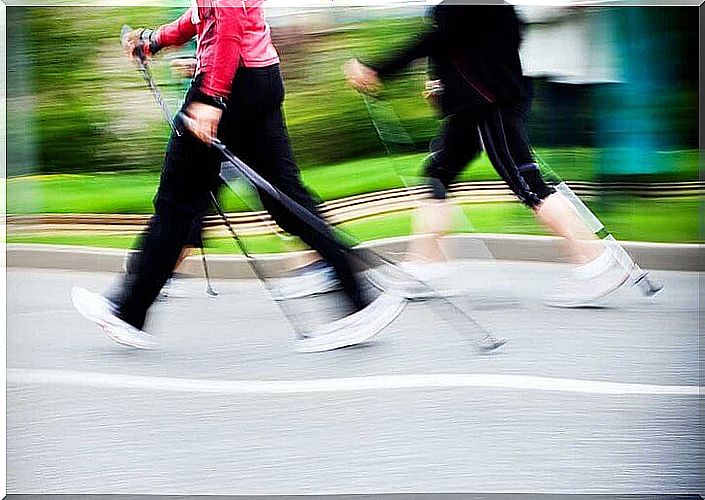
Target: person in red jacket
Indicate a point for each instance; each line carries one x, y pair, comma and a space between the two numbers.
237, 96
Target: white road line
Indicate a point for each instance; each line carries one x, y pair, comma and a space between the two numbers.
22, 376
32, 314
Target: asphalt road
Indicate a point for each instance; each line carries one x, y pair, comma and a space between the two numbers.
592, 400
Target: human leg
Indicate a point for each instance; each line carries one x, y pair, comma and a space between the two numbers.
456, 146
504, 135
190, 170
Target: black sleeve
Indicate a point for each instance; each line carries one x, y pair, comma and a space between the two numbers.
422, 46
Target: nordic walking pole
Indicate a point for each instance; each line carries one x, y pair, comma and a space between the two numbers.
209, 287
299, 331
485, 339
146, 73
390, 131
637, 276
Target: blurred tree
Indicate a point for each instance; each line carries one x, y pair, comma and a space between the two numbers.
71, 89
21, 157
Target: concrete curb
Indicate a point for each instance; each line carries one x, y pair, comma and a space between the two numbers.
656, 256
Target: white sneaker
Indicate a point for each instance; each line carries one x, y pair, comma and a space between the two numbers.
176, 288
590, 283
314, 279
96, 308
356, 328
425, 281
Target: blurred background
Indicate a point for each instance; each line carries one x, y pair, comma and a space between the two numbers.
615, 113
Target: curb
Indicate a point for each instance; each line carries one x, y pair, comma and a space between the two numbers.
652, 256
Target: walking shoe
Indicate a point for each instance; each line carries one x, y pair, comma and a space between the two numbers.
418, 281
175, 288
357, 328
96, 308
313, 279
590, 283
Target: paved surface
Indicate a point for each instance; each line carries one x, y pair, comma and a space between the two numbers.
579, 427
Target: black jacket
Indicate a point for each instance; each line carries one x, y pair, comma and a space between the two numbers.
473, 50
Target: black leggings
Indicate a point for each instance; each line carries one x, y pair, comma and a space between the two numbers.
502, 132
253, 128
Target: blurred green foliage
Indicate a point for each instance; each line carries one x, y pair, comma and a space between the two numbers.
328, 122
77, 105
78, 87
90, 110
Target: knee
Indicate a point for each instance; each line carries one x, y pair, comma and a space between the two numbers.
442, 169
439, 189
537, 190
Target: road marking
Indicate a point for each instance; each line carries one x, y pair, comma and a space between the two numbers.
51, 312
22, 376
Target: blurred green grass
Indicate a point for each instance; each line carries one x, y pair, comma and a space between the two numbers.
131, 192
666, 220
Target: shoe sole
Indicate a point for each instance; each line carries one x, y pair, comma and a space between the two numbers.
125, 343
591, 303
76, 300
431, 295
428, 292
330, 342
329, 288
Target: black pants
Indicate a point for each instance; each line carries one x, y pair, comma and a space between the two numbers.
193, 240
195, 234
253, 128
502, 131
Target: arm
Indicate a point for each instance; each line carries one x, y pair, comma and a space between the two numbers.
422, 46
177, 32
145, 42
209, 100
367, 78
230, 17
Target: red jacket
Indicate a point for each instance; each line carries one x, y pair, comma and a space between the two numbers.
229, 33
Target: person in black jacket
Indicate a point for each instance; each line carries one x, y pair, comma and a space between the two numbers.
474, 51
